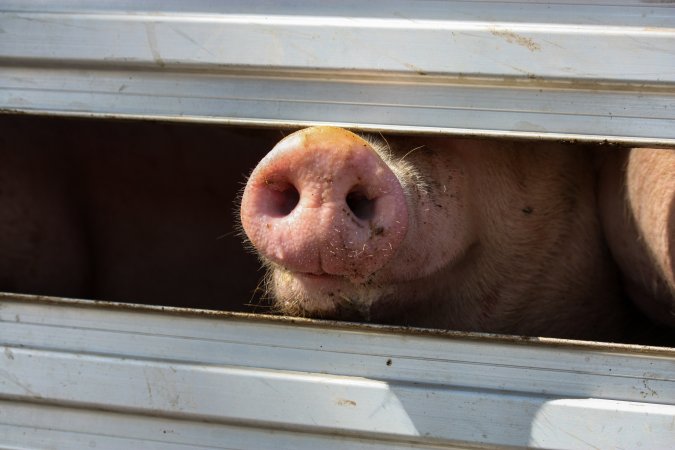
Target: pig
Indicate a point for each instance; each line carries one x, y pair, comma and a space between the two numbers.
637, 201
517, 237
126, 211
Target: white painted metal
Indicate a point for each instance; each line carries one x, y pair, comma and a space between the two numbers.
79, 373
603, 70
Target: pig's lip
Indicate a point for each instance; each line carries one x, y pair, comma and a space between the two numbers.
319, 277
323, 281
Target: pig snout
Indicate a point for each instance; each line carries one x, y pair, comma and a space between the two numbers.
323, 202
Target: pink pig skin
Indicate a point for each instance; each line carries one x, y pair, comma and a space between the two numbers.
637, 195
460, 234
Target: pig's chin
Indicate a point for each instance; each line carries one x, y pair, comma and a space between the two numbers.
324, 296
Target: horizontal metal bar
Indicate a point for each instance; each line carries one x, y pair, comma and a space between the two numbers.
600, 72
485, 110
28, 425
321, 379
486, 45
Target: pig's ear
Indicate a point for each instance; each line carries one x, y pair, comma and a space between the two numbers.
637, 204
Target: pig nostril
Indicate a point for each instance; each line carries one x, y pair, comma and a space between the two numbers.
362, 207
283, 199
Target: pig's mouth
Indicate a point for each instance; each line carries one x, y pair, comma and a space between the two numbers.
321, 280
323, 296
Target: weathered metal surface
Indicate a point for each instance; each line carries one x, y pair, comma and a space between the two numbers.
564, 70
84, 372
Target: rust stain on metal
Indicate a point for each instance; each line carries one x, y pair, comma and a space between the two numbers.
346, 402
514, 38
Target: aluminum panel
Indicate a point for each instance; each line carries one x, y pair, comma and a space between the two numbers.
345, 384
564, 70
25, 425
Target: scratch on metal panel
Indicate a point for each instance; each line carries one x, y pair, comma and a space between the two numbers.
14, 380
152, 42
189, 38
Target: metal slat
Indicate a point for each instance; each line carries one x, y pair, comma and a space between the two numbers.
604, 71
25, 425
369, 385
352, 352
